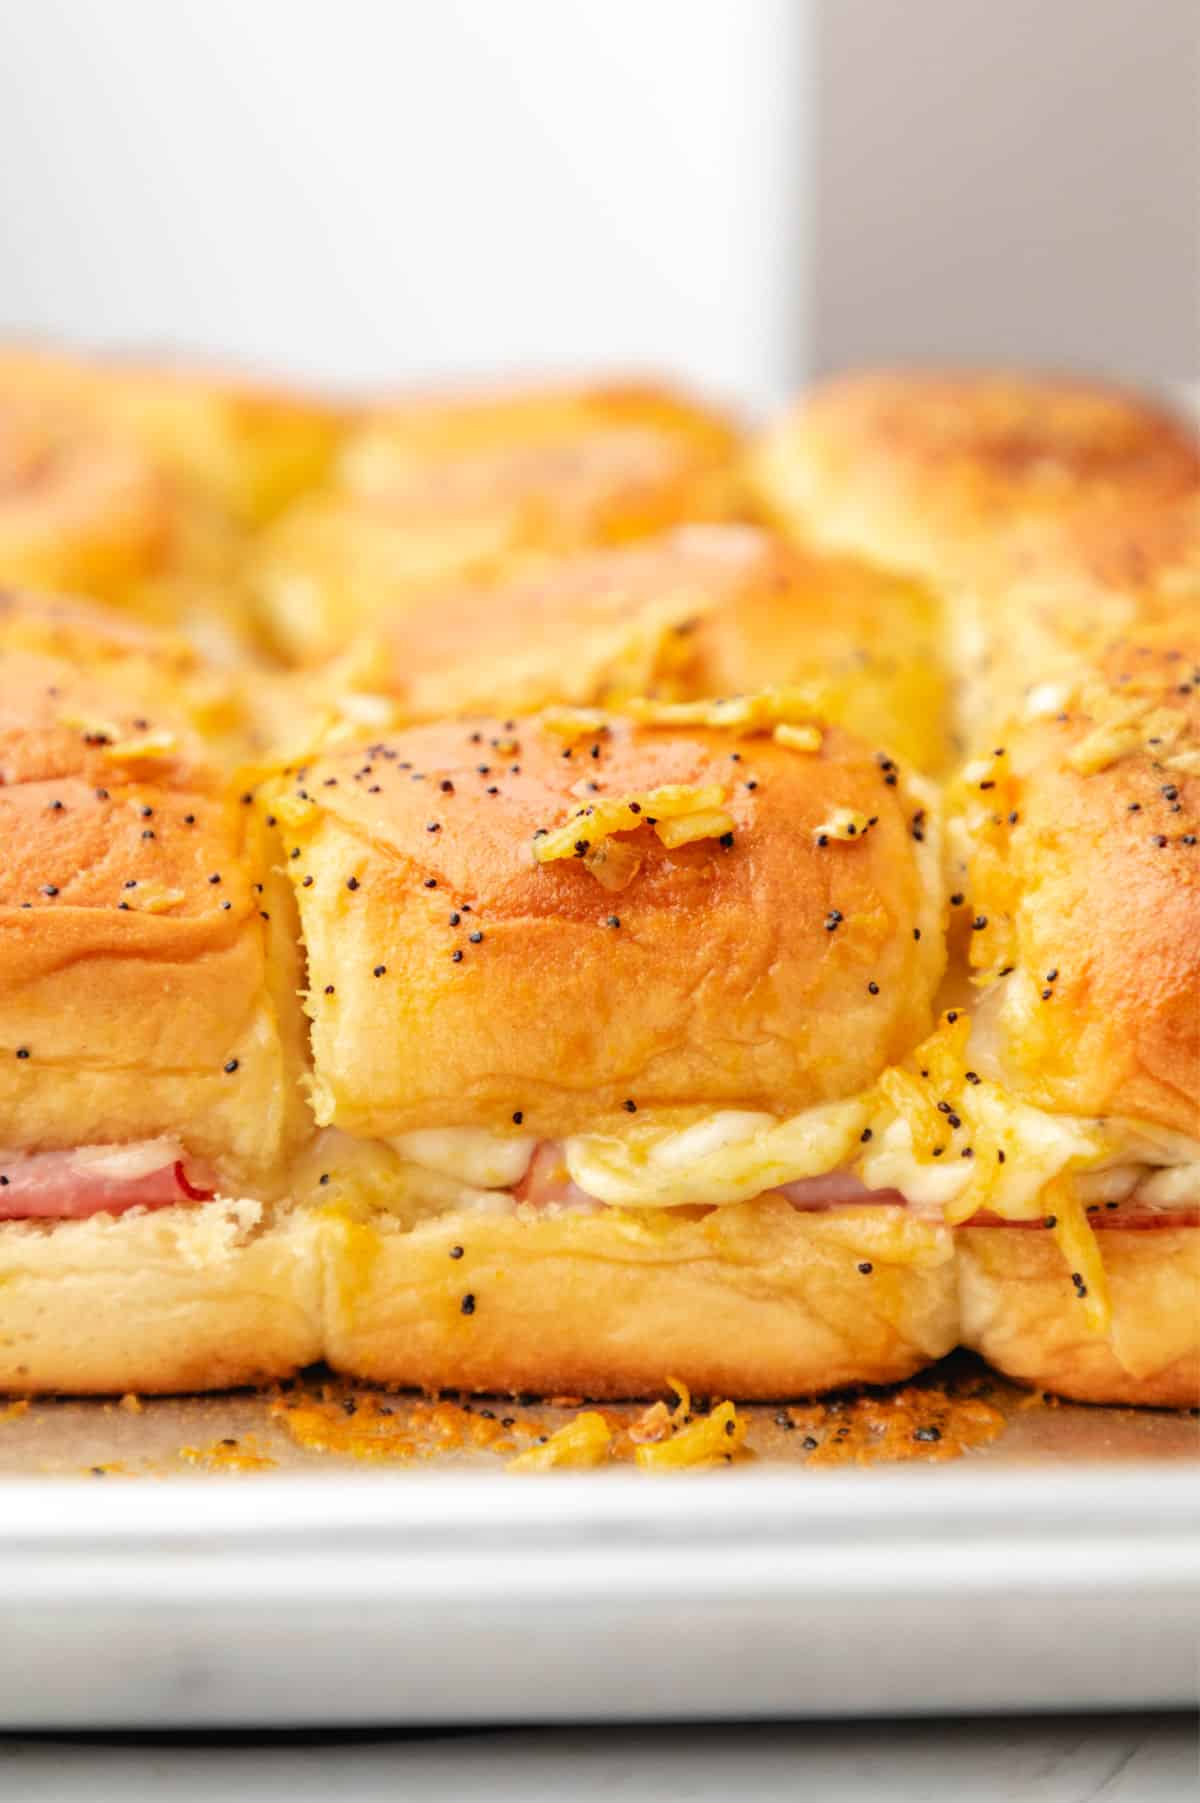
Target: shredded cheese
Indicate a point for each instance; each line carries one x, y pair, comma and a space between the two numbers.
763, 712
150, 898
843, 823
1103, 746
798, 738
706, 823
579, 1446
589, 826
712, 1439
150, 745
1008, 1158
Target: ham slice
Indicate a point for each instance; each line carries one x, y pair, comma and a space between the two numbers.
92, 1180
547, 1181
837, 1189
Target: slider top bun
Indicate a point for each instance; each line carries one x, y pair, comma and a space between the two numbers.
142, 661
1069, 589
931, 472
439, 490
85, 510
454, 980
1084, 883
475, 437
143, 991
250, 447
701, 610
80, 509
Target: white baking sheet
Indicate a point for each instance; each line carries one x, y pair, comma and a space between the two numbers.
1025, 1576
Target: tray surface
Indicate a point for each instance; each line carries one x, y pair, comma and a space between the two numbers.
401, 1576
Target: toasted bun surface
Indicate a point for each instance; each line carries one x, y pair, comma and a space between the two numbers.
478, 437
202, 1297
437, 491
930, 472
1020, 1311
141, 990
80, 509
248, 446
727, 982
1098, 881
754, 1300
701, 610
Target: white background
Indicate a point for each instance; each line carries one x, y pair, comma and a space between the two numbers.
739, 191
365, 189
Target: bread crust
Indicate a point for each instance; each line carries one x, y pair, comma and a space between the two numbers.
934, 472
199, 1297
1098, 881
1020, 1311
170, 1013
443, 489
755, 1300
739, 975
247, 446
697, 611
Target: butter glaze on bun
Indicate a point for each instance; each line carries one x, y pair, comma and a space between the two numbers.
1097, 879
141, 990
246, 445
445, 489
931, 471
738, 975
698, 611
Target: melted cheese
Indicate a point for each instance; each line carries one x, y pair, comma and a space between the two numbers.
973, 1148
468, 1155
730, 1156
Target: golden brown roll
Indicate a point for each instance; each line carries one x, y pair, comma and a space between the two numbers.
1021, 1311
140, 660
84, 511
1082, 884
698, 611
444, 489
596, 1011
1059, 524
931, 472
1083, 860
150, 1049
80, 510
247, 446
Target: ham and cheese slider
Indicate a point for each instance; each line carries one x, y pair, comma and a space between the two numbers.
150, 1046
1082, 849
697, 611
597, 1012
1059, 522
449, 488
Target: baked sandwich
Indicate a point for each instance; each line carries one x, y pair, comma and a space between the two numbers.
150, 1042
1059, 526
598, 1010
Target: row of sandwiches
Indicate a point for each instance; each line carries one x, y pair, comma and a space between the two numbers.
534, 893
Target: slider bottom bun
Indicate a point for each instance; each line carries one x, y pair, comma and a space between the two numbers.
189, 1298
752, 1300
1020, 1311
